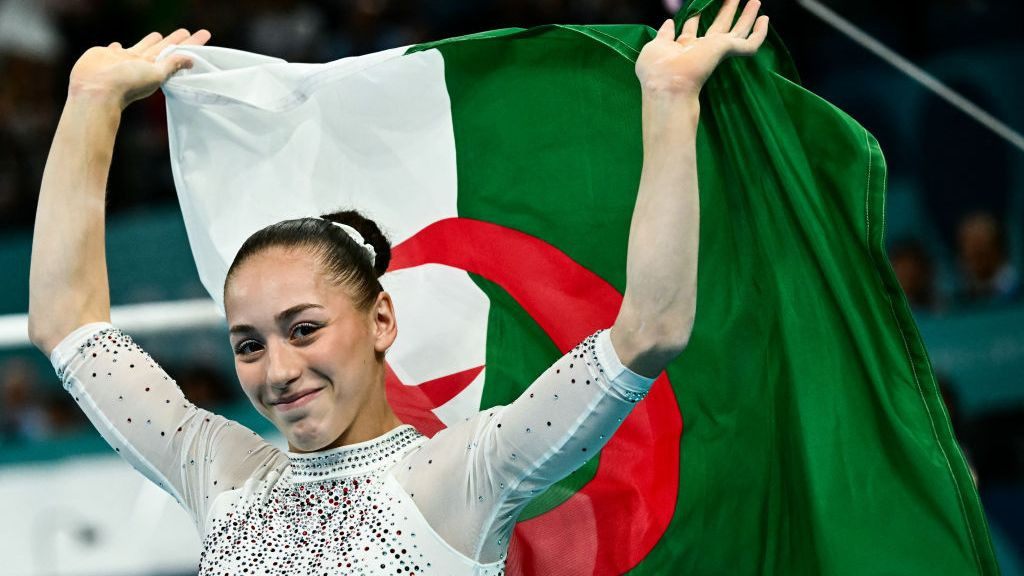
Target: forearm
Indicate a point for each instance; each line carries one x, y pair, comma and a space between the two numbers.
659, 304
68, 278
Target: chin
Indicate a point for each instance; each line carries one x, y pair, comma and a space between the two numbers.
295, 447
306, 443
307, 437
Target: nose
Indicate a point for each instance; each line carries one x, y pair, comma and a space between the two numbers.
283, 365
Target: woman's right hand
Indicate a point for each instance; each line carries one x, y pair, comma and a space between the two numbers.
681, 65
123, 75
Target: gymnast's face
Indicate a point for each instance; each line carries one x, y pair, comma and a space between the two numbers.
307, 358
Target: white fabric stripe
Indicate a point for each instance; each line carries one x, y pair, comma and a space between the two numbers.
442, 323
255, 140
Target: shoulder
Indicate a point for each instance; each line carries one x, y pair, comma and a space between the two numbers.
454, 446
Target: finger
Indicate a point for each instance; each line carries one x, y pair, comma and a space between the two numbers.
723, 22
114, 45
747, 18
667, 30
173, 63
760, 31
173, 38
750, 45
149, 40
198, 39
690, 26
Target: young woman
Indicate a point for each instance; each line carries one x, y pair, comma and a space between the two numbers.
357, 491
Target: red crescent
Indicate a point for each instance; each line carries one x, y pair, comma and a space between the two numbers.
617, 518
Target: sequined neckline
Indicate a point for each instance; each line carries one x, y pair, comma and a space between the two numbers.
353, 459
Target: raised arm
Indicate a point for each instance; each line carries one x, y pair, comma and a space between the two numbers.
68, 278
126, 395
658, 308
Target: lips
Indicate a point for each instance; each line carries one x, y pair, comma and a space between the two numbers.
295, 400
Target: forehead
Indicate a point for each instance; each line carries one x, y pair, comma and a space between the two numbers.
274, 280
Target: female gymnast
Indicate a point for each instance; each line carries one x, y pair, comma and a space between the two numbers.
357, 492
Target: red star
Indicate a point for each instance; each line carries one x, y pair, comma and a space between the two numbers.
413, 404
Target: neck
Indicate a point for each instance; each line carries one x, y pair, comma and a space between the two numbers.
369, 424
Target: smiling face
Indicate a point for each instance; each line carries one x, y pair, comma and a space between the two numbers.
308, 359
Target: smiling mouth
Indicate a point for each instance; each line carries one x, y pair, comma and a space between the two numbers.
297, 401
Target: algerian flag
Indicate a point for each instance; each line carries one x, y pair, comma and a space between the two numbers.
505, 165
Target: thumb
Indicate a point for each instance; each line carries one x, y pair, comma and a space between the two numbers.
173, 63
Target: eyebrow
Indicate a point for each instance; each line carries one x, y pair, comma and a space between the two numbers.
279, 318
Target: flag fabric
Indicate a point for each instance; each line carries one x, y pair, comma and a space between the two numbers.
801, 432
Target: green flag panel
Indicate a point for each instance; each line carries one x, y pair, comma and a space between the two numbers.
814, 438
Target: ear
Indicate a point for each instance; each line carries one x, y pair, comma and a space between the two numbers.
385, 324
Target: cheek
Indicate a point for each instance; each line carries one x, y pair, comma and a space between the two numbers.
248, 378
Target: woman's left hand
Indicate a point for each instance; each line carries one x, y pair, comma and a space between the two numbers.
680, 66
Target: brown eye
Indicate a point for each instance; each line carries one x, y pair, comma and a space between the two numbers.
247, 347
304, 329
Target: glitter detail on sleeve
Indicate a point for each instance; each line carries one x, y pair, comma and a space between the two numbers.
491, 466
142, 414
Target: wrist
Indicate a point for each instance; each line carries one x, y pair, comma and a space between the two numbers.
671, 99
662, 109
670, 87
94, 98
93, 118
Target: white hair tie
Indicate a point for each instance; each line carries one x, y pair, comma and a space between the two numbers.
355, 235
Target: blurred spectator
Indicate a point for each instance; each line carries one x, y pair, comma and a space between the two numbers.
915, 272
27, 413
26, 28
289, 29
29, 49
30, 411
365, 26
22, 416
63, 416
986, 273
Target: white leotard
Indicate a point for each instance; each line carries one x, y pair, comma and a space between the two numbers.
398, 504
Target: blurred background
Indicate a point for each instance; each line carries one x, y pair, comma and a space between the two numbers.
955, 230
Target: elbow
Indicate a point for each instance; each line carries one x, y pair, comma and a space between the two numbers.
667, 340
45, 331
41, 321
51, 320
648, 348
39, 335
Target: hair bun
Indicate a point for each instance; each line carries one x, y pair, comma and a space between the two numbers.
370, 232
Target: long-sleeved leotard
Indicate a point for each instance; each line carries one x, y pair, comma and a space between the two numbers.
400, 503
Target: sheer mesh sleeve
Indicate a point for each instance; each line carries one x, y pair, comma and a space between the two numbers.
191, 453
472, 480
